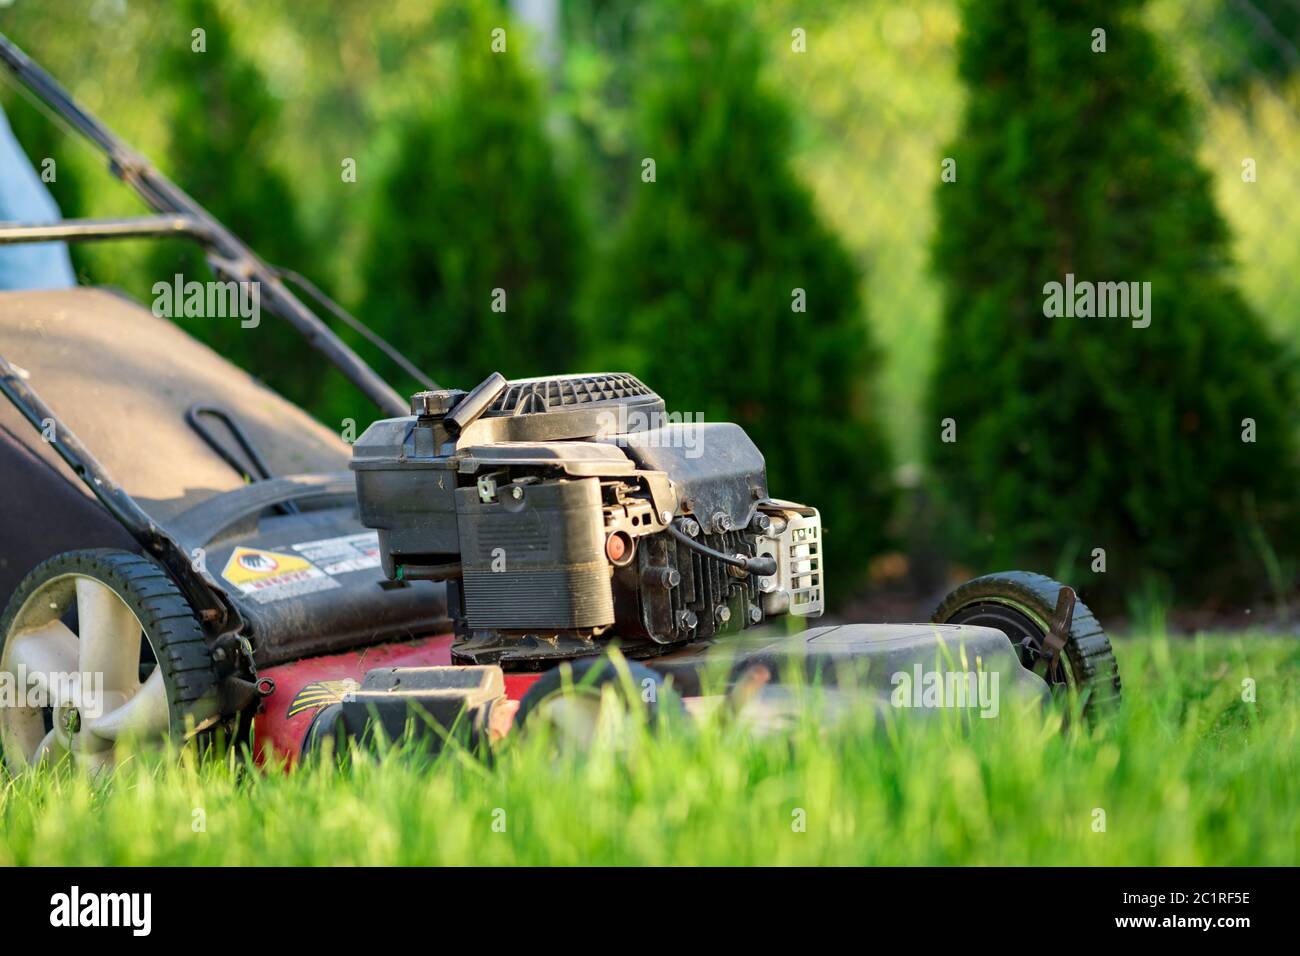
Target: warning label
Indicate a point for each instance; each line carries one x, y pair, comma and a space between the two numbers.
268, 576
353, 552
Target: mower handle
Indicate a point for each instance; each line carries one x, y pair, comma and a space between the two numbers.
165, 197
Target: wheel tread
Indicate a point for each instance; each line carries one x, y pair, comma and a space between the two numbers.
174, 634
1089, 649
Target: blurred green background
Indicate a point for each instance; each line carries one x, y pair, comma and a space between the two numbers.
791, 263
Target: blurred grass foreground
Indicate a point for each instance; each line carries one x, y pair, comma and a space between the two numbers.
1201, 767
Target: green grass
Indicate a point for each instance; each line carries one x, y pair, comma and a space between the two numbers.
1188, 773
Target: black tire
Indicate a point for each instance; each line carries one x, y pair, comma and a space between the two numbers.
590, 675
171, 631
1021, 605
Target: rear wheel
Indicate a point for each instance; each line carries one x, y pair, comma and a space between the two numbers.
103, 650
1022, 606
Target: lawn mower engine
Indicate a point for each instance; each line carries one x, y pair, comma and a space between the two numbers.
567, 511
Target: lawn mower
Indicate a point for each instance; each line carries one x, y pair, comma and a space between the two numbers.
224, 562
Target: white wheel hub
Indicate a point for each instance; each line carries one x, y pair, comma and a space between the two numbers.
87, 681
583, 719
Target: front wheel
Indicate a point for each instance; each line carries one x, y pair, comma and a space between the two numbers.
108, 655
1023, 605
572, 700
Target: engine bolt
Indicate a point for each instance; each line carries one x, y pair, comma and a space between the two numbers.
721, 521
755, 614
691, 526
670, 577
723, 614
517, 493
761, 523
687, 619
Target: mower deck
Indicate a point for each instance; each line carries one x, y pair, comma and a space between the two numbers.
893, 665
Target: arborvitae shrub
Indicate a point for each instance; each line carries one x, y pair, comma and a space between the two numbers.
1081, 433
471, 201
697, 293
221, 121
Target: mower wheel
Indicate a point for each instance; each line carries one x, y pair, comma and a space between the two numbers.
570, 698
114, 619
1022, 606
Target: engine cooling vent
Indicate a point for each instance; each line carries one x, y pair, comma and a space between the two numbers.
796, 588
801, 571
530, 396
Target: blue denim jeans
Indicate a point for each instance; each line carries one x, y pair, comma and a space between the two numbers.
24, 198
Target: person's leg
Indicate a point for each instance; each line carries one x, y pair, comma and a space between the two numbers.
24, 198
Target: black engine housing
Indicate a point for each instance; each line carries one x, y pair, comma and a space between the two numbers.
546, 504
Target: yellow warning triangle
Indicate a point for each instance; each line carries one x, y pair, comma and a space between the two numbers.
247, 565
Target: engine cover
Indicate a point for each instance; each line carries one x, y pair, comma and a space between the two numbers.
566, 512
534, 558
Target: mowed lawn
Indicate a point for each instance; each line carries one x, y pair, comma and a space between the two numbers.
1189, 772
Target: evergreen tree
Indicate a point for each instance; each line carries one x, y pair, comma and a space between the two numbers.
475, 243
1245, 42
221, 125
725, 292
1171, 446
